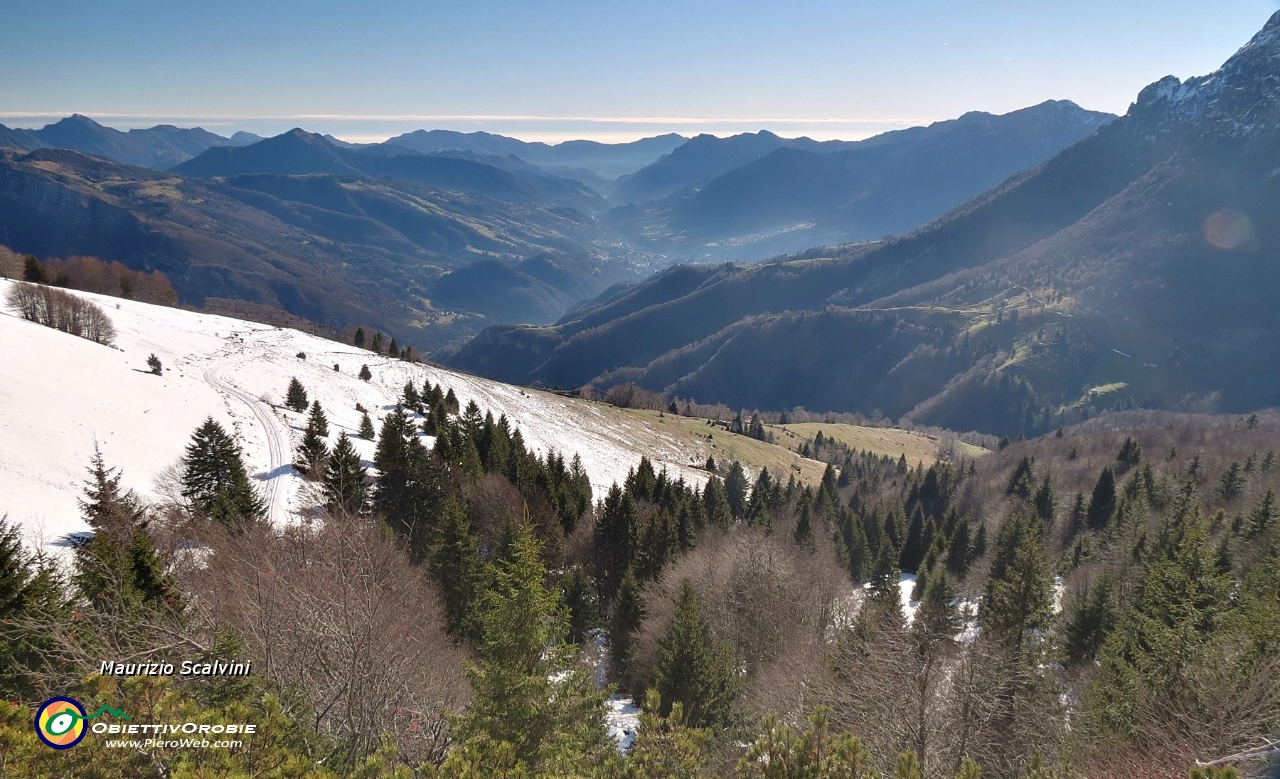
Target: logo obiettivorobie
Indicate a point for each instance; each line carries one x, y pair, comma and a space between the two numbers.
60, 722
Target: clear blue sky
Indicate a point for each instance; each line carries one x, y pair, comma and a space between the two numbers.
603, 69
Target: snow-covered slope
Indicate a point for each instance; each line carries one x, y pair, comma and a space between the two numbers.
59, 393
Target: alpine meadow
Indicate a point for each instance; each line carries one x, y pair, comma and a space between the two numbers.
726, 391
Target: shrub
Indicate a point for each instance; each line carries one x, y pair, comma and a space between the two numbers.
154, 363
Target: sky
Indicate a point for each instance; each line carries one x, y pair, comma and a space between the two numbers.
605, 70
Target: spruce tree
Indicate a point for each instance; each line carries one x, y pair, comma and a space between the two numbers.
376, 346
804, 525
715, 504
1019, 595
153, 362
365, 374
410, 396
458, 567
344, 479
580, 599
451, 402
295, 397
624, 620
317, 420
312, 454
393, 349
693, 668
735, 487
1103, 503
118, 569
215, 480
358, 340
366, 430
1091, 620
529, 699
1045, 500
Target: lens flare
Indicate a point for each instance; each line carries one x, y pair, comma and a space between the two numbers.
1227, 229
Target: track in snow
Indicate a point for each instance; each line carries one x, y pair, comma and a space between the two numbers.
277, 512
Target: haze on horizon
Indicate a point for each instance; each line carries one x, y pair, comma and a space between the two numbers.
604, 71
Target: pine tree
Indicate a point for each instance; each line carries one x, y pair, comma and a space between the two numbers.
317, 420
617, 536
1045, 501
30, 589
693, 668
118, 569
358, 340
1130, 454
1091, 620
344, 479
393, 349
153, 362
580, 599
366, 430
312, 454
1103, 503
456, 564
365, 374
528, 696
376, 346
410, 396
451, 402
1232, 483
215, 480
804, 525
735, 487
295, 397
33, 271
624, 620
716, 504
1019, 595
1263, 514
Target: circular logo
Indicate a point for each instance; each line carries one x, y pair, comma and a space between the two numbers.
60, 722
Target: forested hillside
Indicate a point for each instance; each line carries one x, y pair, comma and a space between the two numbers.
1133, 269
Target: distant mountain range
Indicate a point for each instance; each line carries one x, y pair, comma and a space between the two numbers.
1137, 267
155, 147
601, 162
725, 198
287, 221
308, 233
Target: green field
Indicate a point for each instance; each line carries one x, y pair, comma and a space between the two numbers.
918, 447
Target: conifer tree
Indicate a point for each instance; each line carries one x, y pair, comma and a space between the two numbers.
215, 480
716, 504
359, 339
31, 588
1019, 595
1103, 503
1091, 619
1262, 515
295, 397
400, 459
693, 668
456, 564
344, 479
153, 362
410, 396
393, 349
118, 569
617, 534
451, 402
580, 599
366, 430
624, 620
529, 698
365, 373
376, 345
1045, 500
735, 488
804, 525
317, 420
312, 454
